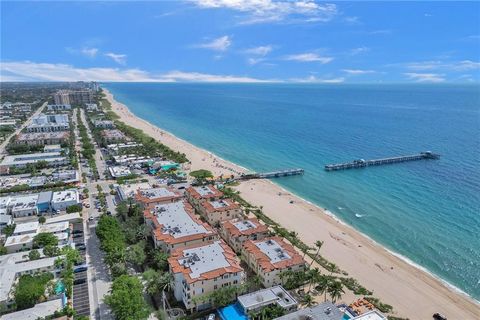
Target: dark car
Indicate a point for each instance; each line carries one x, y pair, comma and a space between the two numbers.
80, 281
109, 213
79, 263
80, 269
81, 247
77, 231
439, 316
77, 235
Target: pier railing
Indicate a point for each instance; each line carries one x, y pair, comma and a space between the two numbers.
272, 174
361, 163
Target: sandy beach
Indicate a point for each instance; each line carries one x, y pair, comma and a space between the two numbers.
412, 292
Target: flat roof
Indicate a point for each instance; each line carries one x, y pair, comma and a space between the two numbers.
204, 192
28, 136
66, 195
174, 220
129, 190
276, 294
26, 227
119, 171
371, 315
273, 250
159, 192
322, 311
33, 157
205, 262
40, 310
24, 202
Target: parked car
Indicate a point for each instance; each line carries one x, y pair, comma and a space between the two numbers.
80, 269
77, 235
81, 247
77, 231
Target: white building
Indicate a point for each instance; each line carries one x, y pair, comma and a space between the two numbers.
104, 124
25, 205
48, 123
59, 107
63, 199
119, 171
91, 107
52, 148
22, 237
14, 265
21, 160
277, 295
200, 270
39, 311
126, 191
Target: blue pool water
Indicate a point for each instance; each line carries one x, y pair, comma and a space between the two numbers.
232, 312
427, 211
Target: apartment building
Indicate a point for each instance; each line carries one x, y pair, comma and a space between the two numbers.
48, 123
269, 257
200, 270
22, 237
236, 231
199, 194
174, 225
42, 138
215, 211
159, 195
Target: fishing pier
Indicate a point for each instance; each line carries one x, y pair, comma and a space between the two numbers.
361, 163
272, 174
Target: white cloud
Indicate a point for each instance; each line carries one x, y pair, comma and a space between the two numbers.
31, 71
425, 77
352, 20
218, 44
358, 71
359, 50
313, 79
463, 65
85, 51
260, 51
254, 61
261, 11
308, 57
382, 31
117, 57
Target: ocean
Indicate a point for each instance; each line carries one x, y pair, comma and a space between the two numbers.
426, 211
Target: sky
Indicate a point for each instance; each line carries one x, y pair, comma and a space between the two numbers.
241, 41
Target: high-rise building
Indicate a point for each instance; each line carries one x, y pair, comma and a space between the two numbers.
62, 97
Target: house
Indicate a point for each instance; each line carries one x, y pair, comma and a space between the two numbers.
200, 270
236, 231
323, 311
174, 225
61, 200
255, 301
269, 257
197, 194
159, 195
215, 211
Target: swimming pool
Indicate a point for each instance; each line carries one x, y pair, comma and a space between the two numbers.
232, 312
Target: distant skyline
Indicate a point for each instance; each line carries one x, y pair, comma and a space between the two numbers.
241, 41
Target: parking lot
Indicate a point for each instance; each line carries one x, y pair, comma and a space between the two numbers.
81, 302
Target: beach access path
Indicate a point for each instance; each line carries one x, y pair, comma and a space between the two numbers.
412, 292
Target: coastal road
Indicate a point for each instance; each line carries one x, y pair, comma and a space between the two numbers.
36, 113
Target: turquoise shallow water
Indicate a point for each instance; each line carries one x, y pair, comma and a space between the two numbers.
427, 211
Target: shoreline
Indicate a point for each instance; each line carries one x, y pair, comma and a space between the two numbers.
411, 289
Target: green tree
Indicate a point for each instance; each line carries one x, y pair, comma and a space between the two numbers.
160, 260
74, 208
34, 255
126, 299
136, 253
8, 230
44, 239
335, 290
319, 245
3, 250
201, 175
307, 300
42, 220
322, 285
30, 288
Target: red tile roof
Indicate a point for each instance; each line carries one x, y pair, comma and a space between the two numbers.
232, 229
194, 193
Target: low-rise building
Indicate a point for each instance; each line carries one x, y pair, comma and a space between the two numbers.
235, 232
254, 302
200, 270
8, 123
174, 225
159, 195
39, 311
129, 190
61, 200
22, 237
66, 176
271, 256
322, 311
198, 194
113, 136
5, 220
14, 265
115, 147
59, 107
104, 124
42, 138
48, 123
131, 159
22, 160
91, 107
119, 171
215, 211
25, 205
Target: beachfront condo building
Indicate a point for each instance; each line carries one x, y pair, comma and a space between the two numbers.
269, 257
199, 194
175, 226
215, 211
236, 231
77, 97
48, 123
200, 270
159, 195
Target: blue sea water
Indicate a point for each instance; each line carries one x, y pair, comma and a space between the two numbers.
427, 211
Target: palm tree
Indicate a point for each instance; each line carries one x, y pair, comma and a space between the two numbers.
319, 245
307, 300
314, 275
335, 290
166, 281
322, 285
